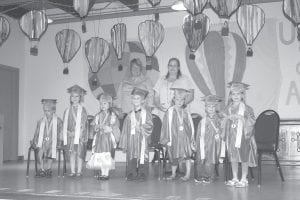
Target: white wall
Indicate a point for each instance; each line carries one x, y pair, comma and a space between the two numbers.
12, 54
41, 76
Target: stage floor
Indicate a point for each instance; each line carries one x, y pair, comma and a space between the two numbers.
14, 185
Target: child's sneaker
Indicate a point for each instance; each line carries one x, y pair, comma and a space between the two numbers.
242, 184
232, 182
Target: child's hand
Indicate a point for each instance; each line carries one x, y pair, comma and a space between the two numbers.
217, 137
97, 127
107, 129
193, 145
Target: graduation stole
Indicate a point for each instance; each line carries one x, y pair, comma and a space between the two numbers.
77, 117
171, 109
239, 127
112, 121
202, 135
53, 124
133, 123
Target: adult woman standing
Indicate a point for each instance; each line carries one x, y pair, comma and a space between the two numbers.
136, 79
163, 94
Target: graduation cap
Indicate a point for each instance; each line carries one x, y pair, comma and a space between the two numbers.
212, 99
49, 103
77, 89
238, 86
141, 92
180, 92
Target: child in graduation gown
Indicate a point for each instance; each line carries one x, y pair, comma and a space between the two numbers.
47, 137
75, 133
178, 134
208, 141
238, 125
107, 134
134, 140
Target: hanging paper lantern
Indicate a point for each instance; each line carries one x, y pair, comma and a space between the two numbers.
34, 24
96, 52
251, 20
195, 29
291, 9
151, 34
118, 40
225, 9
195, 7
4, 30
82, 7
68, 43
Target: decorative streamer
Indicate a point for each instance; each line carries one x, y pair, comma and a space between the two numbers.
4, 29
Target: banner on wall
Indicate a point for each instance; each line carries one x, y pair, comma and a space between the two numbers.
272, 73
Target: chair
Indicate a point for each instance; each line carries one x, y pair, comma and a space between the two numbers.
35, 150
266, 136
158, 148
90, 130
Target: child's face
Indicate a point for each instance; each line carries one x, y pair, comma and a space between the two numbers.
48, 112
137, 100
179, 102
104, 105
75, 98
135, 70
236, 96
210, 109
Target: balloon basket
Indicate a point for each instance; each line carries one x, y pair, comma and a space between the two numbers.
120, 67
192, 56
94, 82
156, 16
66, 71
249, 52
83, 27
148, 63
34, 51
225, 31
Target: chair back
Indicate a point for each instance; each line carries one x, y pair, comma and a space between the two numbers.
267, 130
155, 135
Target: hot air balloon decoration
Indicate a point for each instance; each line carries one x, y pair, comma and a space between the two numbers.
250, 19
151, 35
118, 40
82, 8
34, 24
68, 43
195, 7
195, 29
96, 52
225, 9
291, 9
4, 30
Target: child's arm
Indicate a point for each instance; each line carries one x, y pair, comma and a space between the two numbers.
125, 133
164, 137
249, 122
35, 139
84, 124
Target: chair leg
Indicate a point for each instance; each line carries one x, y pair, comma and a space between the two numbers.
278, 166
65, 163
159, 164
217, 170
259, 169
164, 162
58, 173
28, 162
35, 160
251, 173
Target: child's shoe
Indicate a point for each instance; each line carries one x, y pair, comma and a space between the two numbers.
242, 184
232, 182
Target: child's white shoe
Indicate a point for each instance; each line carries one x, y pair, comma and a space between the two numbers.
232, 182
242, 184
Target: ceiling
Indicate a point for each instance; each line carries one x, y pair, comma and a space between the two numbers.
61, 11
